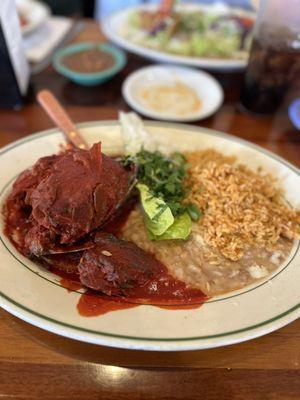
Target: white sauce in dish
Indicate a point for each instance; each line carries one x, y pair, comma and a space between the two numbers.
177, 99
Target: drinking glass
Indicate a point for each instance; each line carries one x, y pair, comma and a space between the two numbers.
274, 61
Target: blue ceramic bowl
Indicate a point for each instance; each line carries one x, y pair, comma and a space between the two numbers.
89, 79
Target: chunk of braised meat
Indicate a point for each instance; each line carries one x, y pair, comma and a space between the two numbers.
80, 194
18, 212
113, 266
24, 184
67, 196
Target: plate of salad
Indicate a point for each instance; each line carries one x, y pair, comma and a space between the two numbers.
216, 37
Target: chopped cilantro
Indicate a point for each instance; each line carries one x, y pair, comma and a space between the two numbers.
165, 177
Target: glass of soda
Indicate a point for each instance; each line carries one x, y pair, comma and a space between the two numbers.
274, 61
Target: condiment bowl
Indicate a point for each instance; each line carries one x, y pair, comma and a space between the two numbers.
201, 94
89, 78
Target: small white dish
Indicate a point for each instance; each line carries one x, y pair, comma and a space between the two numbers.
207, 89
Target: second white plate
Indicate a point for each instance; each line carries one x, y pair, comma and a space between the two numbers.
113, 27
206, 87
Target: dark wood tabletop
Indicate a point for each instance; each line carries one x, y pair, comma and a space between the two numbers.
35, 364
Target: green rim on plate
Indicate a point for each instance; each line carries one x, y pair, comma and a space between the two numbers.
139, 338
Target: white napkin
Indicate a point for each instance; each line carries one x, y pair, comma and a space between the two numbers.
41, 42
10, 25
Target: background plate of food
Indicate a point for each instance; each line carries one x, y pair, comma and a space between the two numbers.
31, 14
217, 212
208, 36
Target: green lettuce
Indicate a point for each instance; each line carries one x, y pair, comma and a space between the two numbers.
159, 220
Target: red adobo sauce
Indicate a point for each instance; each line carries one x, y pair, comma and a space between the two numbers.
92, 305
162, 291
118, 221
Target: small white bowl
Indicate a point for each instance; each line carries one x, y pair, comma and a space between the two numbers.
207, 88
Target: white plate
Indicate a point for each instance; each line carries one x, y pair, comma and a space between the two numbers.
35, 13
113, 27
207, 88
34, 294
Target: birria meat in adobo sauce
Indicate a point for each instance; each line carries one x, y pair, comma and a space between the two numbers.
66, 211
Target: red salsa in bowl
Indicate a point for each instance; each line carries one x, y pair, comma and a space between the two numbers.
89, 63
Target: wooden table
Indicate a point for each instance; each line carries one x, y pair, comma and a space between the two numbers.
35, 364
